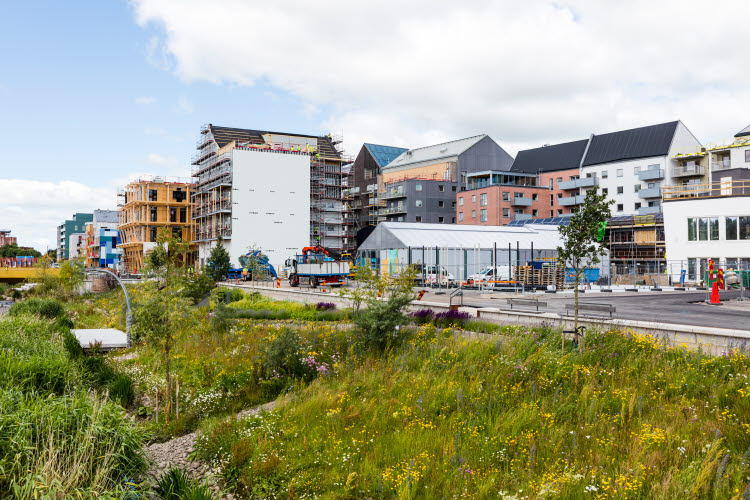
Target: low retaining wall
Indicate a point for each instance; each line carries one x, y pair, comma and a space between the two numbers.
712, 340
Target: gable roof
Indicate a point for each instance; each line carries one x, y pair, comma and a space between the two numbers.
642, 142
435, 152
105, 216
744, 132
383, 155
565, 156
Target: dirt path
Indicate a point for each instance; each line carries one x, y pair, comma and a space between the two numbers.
176, 453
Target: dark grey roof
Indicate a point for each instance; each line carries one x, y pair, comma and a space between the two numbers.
565, 156
225, 135
744, 132
643, 142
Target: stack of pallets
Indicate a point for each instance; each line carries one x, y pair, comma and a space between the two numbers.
547, 275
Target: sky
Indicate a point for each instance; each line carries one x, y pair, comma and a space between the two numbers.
93, 94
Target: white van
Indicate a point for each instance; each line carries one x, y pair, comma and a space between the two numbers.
433, 276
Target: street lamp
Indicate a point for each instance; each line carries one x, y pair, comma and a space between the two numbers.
129, 312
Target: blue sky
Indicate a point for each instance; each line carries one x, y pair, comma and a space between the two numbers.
93, 93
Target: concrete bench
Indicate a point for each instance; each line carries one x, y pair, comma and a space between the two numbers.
591, 307
527, 302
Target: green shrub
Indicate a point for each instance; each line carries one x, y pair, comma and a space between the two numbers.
46, 308
198, 286
283, 357
174, 484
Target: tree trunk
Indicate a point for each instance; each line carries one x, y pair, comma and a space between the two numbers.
167, 346
575, 300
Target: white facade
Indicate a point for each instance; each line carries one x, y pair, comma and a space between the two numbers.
640, 194
270, 206
720, 231
77, 245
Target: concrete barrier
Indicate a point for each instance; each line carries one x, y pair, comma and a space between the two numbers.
711, 340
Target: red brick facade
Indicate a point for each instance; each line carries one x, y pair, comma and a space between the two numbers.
501, 202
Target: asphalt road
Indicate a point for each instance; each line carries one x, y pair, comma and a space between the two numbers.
684, 308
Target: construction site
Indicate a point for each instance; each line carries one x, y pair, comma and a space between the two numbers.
637, 250
146, 205
272, 191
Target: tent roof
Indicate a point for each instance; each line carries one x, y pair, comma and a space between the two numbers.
393, 235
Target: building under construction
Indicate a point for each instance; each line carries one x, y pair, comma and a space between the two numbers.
146, 205
637, 250
272, 191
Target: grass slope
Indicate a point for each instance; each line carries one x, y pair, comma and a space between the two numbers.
514, 417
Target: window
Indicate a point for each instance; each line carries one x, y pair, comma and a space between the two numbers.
153, 234
559, 211
441, 204
551, 213
551, 201
692, 233
605, 174
605, 190
732, 262
153, 214
441, 219
177, 232
551, 183
453, 204
506, 196
473, 198
461, 201
460, 216
368, 173
506, 212
152, 195
183, 214
691, 269
619, 207
483, 199
619, 190
745, 228
400, 219
419, 218
418, 187
453, 188
441, 188
172, 215
702, 229
747, 155
559, 195
637, 188
483, 215
453, 220
418, 203
559, 180
179, 195
636, 170
637, 206
473, 214
534, 213
713, 228
730, 226
534, 197
619, 172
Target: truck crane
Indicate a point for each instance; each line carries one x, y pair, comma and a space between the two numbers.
317, 265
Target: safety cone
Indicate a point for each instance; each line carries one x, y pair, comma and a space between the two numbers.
715, 293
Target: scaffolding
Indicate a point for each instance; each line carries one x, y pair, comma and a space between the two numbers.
637, 249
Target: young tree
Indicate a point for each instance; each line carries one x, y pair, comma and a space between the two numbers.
218, 263
72, 274
172, 255
581, 242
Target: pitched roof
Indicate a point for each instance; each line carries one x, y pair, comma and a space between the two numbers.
105, 215
225, 135
744, 132
565, 156
435, 152
383, 155
642, 142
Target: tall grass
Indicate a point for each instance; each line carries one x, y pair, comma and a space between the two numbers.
518, 417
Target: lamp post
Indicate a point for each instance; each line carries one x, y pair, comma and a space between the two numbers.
129, 312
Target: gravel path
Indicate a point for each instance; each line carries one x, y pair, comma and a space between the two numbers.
176, 453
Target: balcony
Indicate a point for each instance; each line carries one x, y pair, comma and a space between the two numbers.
654, 192
649, 210
722, 163
520, 201
691, 171
389, 195
651, 175
582, 182
521, 216
569, 201
393, 210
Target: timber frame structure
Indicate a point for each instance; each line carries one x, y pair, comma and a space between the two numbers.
145, 206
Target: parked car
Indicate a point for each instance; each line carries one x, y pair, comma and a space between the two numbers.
488, 275
434, 276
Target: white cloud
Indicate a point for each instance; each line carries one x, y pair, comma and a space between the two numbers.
184, 107
145, 100
525, 72
34, 209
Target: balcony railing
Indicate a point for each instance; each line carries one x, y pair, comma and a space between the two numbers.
393, 210
569, 201
391, 195
713, 190
520, 201
582, 182
722, 164
649, 210
652, 174
654, 192
689, 171
522, 216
